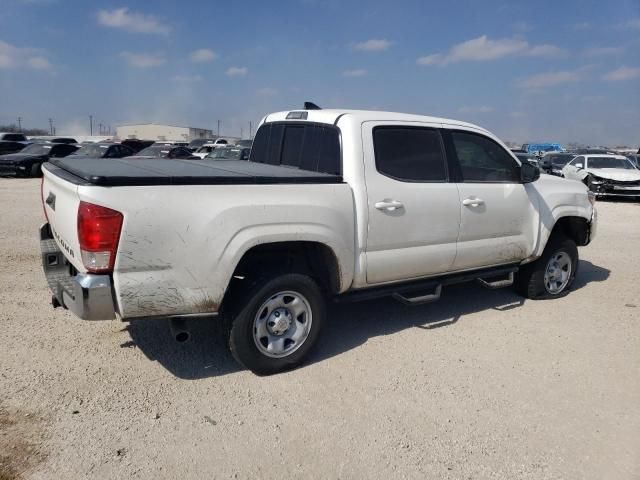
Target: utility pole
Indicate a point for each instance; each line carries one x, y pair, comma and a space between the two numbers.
100, 128
241, 133
218, 127
19, 124
90, 124
51, 126
250, 130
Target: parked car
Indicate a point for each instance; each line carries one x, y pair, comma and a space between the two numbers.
28, 162
165, 151
103, 150
196, 143
605, 175
13, 137
63, 140
205, 150
247, 142
230, 153
10, 147
541, 147
137, 145
553, 163
333, 204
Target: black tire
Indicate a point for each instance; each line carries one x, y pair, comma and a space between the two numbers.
529, 281
36, 170
241, 337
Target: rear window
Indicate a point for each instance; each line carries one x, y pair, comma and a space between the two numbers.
307, 146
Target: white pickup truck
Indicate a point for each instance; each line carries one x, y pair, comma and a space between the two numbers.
333, 204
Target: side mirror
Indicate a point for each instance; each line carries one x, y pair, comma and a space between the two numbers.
578, 166
529, 173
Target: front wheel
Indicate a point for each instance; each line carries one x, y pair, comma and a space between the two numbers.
278, 325
553, 273
36, 170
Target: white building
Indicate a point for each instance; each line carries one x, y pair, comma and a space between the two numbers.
162, 133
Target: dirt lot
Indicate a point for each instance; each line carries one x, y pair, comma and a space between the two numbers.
479, 385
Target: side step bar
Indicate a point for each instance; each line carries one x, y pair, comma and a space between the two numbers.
413, 292
506, 282
419, 300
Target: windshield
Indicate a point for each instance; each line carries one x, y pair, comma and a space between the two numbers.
609, 162
37, 149
560, 160
155, 151
94, 150
205, 149
230, 153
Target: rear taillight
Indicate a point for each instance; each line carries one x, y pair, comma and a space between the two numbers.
98, 233
44, 209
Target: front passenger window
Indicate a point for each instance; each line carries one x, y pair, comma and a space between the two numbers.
484, 161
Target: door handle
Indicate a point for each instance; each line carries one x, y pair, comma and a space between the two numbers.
472, 202
389, 205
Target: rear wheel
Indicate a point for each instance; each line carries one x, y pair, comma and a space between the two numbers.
553, 273
278, 325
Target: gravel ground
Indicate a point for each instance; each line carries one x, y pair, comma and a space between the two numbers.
479, 385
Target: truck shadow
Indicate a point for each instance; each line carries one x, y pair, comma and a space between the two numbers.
349, 326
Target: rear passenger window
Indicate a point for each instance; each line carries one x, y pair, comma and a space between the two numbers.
483, 160
411, 154
307, 146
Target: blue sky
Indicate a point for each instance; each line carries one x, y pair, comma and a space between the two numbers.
544, 70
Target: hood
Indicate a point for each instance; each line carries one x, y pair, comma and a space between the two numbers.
618, 174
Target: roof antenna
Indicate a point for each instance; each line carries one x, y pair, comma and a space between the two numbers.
311, 106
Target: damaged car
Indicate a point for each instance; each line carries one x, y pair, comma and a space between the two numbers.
605, 175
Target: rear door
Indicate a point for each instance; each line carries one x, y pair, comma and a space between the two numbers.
413, 209
498, 212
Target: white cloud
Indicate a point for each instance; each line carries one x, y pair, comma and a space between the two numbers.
203, 55
187, 78
549, 79
39, 63
484, 49
356, 72
373, 45
478, 109
131, 21
546, 50
433, 59
622, 73
236, 71
22, 57
633, 24
582, 26
267, 92
144, 60
603, 51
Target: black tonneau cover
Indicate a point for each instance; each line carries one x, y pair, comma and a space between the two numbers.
115, 172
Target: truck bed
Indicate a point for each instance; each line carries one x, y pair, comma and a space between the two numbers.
115, 172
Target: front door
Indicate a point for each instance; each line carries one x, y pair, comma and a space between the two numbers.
413, 210
498, 217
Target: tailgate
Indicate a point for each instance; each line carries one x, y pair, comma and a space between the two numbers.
61, 206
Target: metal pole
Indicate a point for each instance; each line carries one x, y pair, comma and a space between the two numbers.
90, 124
250, 130
19, 124
241, 133
218, 127
51, 126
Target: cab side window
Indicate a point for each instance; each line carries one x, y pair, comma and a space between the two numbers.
409, 154
482, 160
